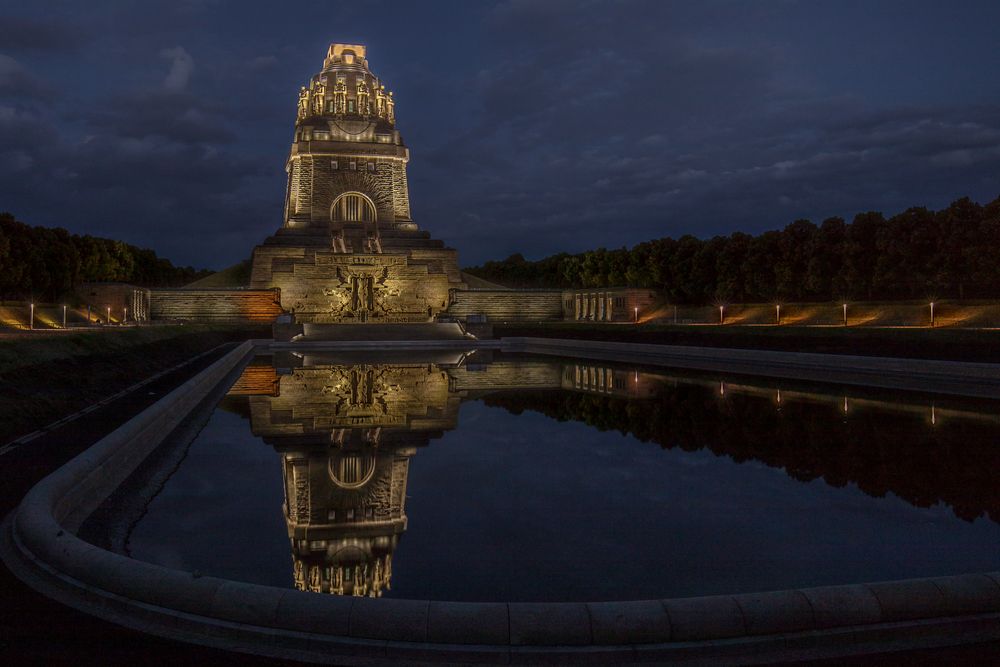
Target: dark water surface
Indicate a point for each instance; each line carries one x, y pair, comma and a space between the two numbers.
516, 478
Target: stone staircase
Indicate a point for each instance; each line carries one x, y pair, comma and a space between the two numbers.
381, 332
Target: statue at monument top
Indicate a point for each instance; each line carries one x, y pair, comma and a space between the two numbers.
343, 89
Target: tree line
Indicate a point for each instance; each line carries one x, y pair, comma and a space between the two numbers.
915, 254
48, 263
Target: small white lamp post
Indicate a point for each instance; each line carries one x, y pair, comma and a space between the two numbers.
722, 314
64, 316
636, 314
932, 313
845, 314
31, 317
777, 313
109, 314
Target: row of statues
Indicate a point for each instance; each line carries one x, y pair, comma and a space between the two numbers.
315, 101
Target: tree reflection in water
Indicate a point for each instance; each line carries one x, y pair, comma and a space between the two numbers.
346, 431
923, 454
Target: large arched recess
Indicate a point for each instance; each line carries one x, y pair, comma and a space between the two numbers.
353, 207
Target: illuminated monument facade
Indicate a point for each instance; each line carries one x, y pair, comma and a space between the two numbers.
348, 250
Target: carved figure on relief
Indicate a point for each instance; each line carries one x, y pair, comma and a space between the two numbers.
340, 96
362, 98
319, 97
361, 294
303, 102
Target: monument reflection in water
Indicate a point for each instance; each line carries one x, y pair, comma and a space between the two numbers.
346, 428
346, 431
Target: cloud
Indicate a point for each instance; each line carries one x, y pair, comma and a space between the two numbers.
176, 116
23, 129
147, 190
17, 82
181, 66
262, 62
609, 125
161, 158
25, 34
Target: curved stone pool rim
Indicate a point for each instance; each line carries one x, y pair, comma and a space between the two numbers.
41, 547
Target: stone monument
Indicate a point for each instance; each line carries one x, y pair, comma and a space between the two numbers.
348, 250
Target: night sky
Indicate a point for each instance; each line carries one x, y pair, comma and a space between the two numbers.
534, 127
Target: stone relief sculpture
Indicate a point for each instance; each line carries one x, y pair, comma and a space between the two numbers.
303, 103
319, 97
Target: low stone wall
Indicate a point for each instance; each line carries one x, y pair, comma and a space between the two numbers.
39, 545
872, 314
215, 305
503, 305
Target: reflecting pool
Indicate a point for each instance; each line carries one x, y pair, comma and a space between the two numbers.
485, 476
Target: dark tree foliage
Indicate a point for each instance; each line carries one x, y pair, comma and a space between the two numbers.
46, 264
881, 452
913, 255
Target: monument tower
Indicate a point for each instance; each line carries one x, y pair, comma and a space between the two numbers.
348, 250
